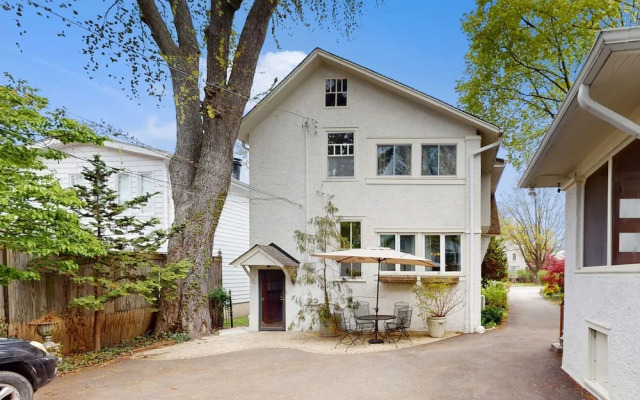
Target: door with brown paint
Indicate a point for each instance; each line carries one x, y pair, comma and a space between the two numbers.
272, 286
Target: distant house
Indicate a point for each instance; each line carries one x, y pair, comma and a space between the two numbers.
406, 171
592, 152
147, 171
515, 259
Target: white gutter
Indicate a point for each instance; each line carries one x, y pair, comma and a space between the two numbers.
606, 114
472, 231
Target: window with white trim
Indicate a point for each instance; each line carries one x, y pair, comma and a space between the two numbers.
439, 160
124, 187
598, 368
350, 234
513, 256
405, 243
452, 252
146, 185
394, 159
340, 154
76, 179
620, 205
335, 92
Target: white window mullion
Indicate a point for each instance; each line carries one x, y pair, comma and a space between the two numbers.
610, 213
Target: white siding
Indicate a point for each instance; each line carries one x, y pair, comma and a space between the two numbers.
232, 240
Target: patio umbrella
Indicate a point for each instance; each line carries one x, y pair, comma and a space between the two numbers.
375, 255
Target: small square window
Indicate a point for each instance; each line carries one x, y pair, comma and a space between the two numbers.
335, 92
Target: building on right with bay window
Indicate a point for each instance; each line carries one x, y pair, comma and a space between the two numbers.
592, 152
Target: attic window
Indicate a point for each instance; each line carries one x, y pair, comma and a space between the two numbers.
335, 92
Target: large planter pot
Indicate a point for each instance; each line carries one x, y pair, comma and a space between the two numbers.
327, 328
437, 326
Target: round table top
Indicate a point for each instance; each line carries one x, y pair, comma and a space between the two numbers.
373, 317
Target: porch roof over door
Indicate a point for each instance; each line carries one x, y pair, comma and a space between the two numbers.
261, 255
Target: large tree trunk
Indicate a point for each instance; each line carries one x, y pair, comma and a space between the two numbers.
206, 133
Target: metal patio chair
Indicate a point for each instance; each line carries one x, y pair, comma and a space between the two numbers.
361, 308
350, 333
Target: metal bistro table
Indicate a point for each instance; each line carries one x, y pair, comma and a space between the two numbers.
375, 318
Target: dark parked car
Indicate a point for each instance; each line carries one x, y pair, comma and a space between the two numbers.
24, 368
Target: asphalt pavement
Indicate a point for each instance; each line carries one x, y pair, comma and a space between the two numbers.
512, 362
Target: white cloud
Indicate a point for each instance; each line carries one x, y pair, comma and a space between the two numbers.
155, 131
273, 65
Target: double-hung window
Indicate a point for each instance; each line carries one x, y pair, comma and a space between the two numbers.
145, 186
439, 160
335, 92
340, 154
76, 179
394, 159
621, 198
350, 234
124, 187
433, 245
400, 242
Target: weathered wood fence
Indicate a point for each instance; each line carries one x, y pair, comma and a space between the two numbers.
23, 302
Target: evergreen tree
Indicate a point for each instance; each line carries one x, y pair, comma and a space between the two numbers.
495, 266
128, 242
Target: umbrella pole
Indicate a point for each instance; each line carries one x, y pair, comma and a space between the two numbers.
378, 288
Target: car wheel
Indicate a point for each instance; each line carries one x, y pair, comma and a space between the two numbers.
14, 387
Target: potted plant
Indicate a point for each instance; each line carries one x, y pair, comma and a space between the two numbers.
46, 325
435, 300
218, 297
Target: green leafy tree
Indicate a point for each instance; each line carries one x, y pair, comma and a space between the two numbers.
128, 242
534, 221
167, 41
34, 208
523, 58
495, 266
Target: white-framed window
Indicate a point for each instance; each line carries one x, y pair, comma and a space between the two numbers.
335, 92
394, 159
439, 160
76, 179
598, 359
350, 231
405, 243
123, 186
146, 184
611, 229
513, 256
340, 154
433, 245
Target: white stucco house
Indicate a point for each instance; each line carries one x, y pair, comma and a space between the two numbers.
406, 171
146, 170
592, 152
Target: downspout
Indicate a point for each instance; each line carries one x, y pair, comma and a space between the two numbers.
472, 228
606, 114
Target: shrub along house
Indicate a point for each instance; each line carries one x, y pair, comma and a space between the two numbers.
592, 152
405, 170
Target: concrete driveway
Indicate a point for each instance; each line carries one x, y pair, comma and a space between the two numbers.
513, 362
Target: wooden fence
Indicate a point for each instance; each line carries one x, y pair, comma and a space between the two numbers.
23, 302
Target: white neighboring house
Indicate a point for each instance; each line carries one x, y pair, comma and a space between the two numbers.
406, 170
592, 152
148, 172
515, 259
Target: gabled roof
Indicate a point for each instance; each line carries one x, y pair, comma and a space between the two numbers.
612, 72
120, 146
261, 255
268, 104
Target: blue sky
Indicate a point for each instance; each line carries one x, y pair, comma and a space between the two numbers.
419, 44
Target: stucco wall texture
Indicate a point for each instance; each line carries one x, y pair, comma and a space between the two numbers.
289, 157
608, 300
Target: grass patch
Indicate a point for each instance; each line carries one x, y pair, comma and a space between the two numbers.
75, 361
241, 321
